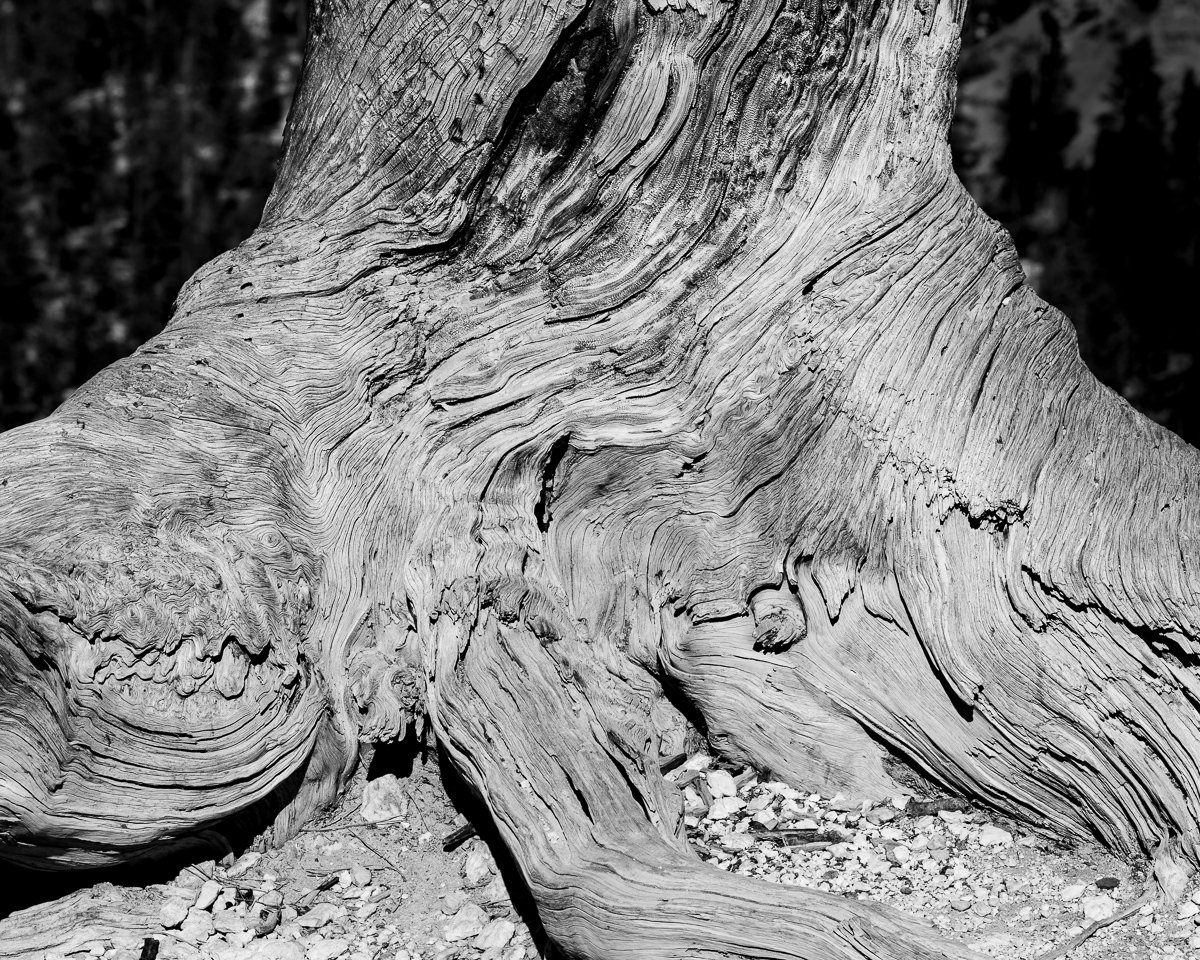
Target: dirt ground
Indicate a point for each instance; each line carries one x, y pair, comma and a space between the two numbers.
348, 888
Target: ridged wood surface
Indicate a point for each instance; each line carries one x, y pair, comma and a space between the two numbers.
587, 349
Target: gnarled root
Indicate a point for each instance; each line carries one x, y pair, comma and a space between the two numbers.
553, 734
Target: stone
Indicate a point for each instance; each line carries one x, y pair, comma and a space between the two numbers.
383, 799
1099, 908
1073, 892
326, 949
1189, 910
454, 902
495, 935
273, 950
227, 922
724, 807
173, 913
360, 875
478, 868
467, 923
317, 917
992, 836
197, 926
844, 804
720, 784
494, 893
209, 891
962, 906
1108, 883
243, 865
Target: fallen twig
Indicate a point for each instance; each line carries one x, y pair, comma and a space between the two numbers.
456, 838
387, 860
931, 808
1095, 926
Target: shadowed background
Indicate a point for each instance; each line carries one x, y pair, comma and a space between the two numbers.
138, 139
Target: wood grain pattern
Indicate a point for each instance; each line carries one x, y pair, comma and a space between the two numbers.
586, 348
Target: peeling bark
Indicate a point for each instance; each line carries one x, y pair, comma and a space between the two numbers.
587, 348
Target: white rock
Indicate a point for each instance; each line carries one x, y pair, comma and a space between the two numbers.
318, 916
991, 836
467, 923
383, 799
495, 935
1074, 891
900, 801
208, 894
360, 875
326, 949
478, 868
197, 926
724, 807
243, 865
272, 950
720, 784
699, 762
1099, 908
173, 913
805, 825
1188, 910
227, 922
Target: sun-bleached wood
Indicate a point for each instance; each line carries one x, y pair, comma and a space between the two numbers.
588, 351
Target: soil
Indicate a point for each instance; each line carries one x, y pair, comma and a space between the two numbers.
349, 889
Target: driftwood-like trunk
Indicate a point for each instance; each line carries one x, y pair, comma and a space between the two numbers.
589, 349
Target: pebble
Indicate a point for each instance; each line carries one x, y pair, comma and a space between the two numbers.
318, 916
720, 784
991, 836
1073, 892
725, 807
197, 926
244, 864
383, 799
360, 875
1099, 907
467, 923
495, 935
209, 891
478, 868
173, 913
272, 950
326, 949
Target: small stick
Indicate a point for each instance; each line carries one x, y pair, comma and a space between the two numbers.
387, 860
1097, 925
456, 838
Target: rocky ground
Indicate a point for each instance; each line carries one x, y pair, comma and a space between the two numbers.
373, 882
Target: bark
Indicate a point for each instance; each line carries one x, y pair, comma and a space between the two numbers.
587, 351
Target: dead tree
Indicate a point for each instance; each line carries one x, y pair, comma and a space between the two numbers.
588, 350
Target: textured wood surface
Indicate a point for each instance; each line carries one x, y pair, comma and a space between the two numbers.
583, 349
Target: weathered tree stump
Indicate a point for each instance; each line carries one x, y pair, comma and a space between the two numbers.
587, 349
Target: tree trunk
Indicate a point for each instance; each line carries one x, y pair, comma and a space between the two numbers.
587, 349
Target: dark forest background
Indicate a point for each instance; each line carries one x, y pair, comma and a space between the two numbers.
138, 139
